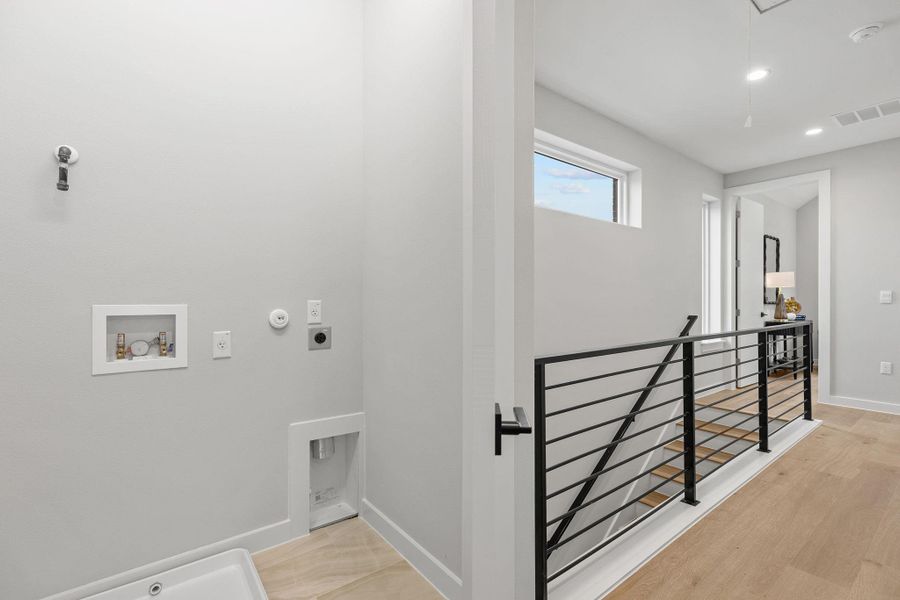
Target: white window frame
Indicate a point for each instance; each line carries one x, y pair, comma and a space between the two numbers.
585, 158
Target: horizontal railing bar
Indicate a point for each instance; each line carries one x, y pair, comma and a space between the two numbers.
622, 439
728, 445
780, 377
613, 397
735, 410
726, 398
785, 388
546, 360
611, 421
723, 432
736, 454
649, 470
608, 493
726, 350
735, 380
728, 366
611, 514
614, 373
781, 365
782, 352
794, 407
786, 423
615, 536
618, 464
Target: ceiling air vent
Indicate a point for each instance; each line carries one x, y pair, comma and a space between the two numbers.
891, 107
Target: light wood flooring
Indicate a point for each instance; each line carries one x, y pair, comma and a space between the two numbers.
821, 523
345, 561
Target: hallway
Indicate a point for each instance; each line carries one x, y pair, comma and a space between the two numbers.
819, 524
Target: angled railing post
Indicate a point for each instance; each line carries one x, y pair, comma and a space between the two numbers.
690, 423
623, 428
763, 390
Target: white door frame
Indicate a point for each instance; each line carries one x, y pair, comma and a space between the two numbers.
498, 296
823, 179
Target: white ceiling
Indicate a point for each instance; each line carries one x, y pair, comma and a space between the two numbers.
675, 71
794, 196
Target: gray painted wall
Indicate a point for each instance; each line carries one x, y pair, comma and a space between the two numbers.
865, 254
808, 263
413, 270
601, 284
102, 474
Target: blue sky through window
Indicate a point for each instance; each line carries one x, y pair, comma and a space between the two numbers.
564, 187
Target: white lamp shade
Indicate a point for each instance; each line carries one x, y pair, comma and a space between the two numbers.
780, 279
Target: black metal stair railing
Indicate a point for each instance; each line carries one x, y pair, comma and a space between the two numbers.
754, 426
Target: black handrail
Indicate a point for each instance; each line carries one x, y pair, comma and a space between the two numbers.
623, 429
558, 358
784, 400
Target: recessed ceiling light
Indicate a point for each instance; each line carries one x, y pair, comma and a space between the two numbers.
814, 131
757, 74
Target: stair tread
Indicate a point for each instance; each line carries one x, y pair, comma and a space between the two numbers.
776, 394
667, 471
653, 499
716, 456
737, 432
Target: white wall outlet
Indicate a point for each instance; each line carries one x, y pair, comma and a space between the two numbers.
887, 368
886, 297
313, 312
221, 344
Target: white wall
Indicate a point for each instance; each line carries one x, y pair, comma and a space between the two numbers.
865, 254
600, 284
807, 290
413, 270
221, 166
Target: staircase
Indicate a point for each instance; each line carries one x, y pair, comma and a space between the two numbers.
724, 432
592, 494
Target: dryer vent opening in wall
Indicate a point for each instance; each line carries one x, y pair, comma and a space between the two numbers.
333, 475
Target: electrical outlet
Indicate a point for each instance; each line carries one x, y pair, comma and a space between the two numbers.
886, 297
887, 368
313, 312
221, 344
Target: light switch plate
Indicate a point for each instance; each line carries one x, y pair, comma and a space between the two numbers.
221, 344
886, 297
887, 368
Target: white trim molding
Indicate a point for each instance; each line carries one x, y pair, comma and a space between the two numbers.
299, 437
432, 569
862, 404
823, 179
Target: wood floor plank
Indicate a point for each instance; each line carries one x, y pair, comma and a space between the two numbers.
719, 457
821, 523
345, 560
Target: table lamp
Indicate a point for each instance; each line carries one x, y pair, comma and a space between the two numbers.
780, 280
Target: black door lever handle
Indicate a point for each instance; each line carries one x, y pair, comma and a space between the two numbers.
501, 427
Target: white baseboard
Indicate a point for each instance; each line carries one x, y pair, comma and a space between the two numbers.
442, 578
257, 539
602, 573
862, 404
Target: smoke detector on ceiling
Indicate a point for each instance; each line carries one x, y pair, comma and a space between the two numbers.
864, 33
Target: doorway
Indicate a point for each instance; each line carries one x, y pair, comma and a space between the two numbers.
782, 226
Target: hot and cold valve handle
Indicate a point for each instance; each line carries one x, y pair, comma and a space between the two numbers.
501, 427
